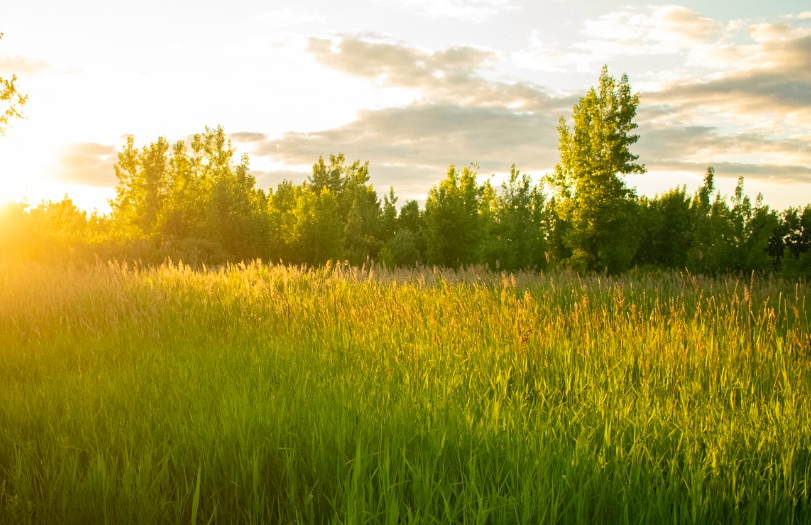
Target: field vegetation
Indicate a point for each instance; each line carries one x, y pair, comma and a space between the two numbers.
556, 351
282, 394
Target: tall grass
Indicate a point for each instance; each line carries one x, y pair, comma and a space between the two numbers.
271, 394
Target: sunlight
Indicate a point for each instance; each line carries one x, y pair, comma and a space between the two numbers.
22, 165
27, 173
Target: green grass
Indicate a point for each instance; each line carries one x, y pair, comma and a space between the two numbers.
280, 395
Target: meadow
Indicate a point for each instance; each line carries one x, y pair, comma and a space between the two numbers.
269, 394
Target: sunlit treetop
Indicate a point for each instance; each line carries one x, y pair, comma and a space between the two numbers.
13, 101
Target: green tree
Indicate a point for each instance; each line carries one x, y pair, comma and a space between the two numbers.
183, 213
12, 99
701, 209
330, 176
407, 246
791, 241
598, 210
452, 220
666, 224
317, 233
196, 202
236, 211
388, 219
142, 184
281, 204
724, 238
752, 228
411, 218
518, 234
490, 246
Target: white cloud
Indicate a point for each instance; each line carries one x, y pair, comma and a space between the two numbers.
762, 33
89, 164
451, 75
543, 55
472, 10
805, 15
282, 18
19, 65
659, 30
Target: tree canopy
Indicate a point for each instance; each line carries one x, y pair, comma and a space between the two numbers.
12, 99
593, 201
199, 202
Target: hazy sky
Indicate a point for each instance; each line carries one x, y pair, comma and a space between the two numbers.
410, 85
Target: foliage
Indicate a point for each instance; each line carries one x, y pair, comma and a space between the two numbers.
592, 200
198, 203
196, 199
667, 230
452, 219
12, 99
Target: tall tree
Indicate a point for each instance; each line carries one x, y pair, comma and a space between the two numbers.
452, 219
520, 223
594, 202
12, 99
317, 232
407, 246
791, 241
666, 229
200, 202
142, 184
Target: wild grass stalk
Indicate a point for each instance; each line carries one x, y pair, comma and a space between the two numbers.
268, 394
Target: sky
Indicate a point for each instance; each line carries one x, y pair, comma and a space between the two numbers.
409, 85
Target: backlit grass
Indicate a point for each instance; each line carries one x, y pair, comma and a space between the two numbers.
270, 394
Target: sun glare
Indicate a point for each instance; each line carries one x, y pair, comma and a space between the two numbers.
18, 170
27, 173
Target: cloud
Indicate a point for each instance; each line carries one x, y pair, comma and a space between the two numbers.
246, 136
475, 11
271, 179
282, 18
770, 32
781, 83
462, 112
543, 55
450, 75
805, 15
650, 31
693, 148
89, 164
764, 172
20, 66
411, 147
394, 62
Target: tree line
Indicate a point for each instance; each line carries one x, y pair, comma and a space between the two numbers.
197, 202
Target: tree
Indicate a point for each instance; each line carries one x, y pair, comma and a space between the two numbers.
13, 100
198, 203
518, 235
791, 241
407, 246
317, 233
142, 184
666, 229
702, 226
752, 228
452, 220
598, 210
281, 204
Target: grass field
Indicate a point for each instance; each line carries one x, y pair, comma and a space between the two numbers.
266, 394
